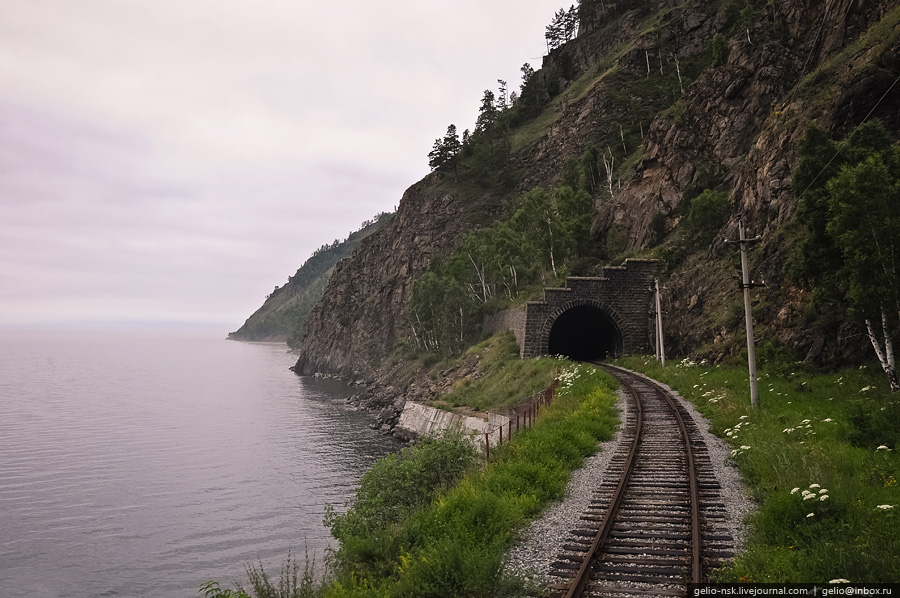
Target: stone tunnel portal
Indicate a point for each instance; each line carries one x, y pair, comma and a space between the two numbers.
584, 333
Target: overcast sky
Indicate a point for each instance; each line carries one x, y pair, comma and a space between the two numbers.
174, 160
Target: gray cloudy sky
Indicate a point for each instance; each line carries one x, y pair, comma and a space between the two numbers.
174, 160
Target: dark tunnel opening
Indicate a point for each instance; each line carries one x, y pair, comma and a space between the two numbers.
585, 333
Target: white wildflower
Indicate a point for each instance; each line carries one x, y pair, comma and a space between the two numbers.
810, 515
885, 507
795, 490
808, 496
823, 497
827, 419
882, 448
815, 485
839, 580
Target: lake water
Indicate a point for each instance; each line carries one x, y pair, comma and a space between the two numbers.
143, 463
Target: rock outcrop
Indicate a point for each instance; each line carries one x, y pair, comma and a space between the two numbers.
786, 64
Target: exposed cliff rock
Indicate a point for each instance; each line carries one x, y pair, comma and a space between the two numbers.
362, 314
745, 117
785, 63
283, 314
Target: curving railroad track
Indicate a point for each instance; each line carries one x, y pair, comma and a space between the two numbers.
653, 525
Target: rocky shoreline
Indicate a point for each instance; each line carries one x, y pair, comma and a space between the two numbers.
384, 394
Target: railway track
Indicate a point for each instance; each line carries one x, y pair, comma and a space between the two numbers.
654, 523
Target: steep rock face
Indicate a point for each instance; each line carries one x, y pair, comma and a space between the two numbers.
743, 117
362, 313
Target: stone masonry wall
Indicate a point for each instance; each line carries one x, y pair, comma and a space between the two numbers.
622, 293
508, 319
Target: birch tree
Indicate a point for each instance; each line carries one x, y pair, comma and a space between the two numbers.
865, 224
850, 251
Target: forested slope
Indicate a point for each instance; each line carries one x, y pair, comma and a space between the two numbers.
283, 314
673, 118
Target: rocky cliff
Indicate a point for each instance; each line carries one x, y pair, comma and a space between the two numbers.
362, 314
674, 91
282, 317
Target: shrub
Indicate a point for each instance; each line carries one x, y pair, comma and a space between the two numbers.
707, 215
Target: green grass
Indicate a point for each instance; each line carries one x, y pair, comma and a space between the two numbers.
503, 379
451, 542
811, 429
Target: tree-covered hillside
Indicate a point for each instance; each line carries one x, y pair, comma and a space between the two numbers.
666, 120
282, 316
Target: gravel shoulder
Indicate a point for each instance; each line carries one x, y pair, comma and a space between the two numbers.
543, 539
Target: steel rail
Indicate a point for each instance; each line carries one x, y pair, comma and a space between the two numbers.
582, 577
576, 588
696, 548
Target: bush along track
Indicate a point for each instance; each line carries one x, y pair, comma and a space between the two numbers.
820, 459
436, 519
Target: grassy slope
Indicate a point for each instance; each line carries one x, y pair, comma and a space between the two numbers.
452, 543
812, 429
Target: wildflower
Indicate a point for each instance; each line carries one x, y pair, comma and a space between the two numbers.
810, 515
823, 497
744, 447
885, 507
815, 485
823, 491
808, 496
827, 419
839, 580
882, 448
795, 490
866, 388
744, 417
805, 421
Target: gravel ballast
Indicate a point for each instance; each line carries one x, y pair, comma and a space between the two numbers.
543, 539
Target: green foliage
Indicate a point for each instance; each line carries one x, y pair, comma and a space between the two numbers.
503, 379
707, 214
445, 153
374, 530
849, 248
874, 423
450, 543
562, 28
545, 233
810, 434
615, 242
285, 311
657, 229
292, 583
719, 48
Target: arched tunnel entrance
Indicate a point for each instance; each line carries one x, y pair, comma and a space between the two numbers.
585, 333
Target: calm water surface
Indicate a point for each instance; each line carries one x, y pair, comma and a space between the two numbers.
143, 463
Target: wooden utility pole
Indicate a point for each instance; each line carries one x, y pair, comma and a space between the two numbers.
660, 346
746, 285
